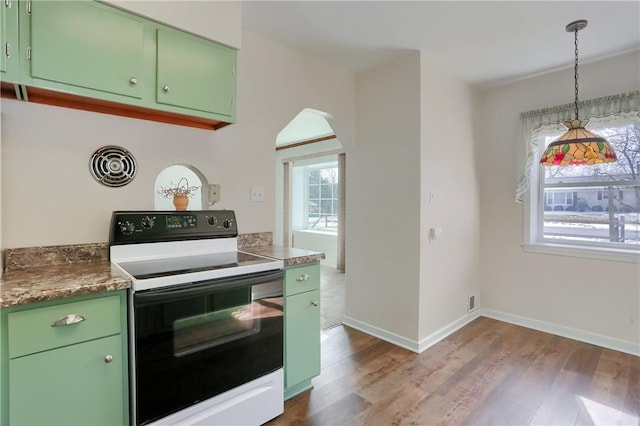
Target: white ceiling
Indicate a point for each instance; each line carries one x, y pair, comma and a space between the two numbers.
483, 42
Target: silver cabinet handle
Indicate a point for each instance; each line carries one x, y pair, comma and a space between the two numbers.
314, 303
133, 80
68, 320
166, 88
303, 277
108, 359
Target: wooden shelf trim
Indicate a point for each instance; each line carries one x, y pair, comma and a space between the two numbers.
66, 100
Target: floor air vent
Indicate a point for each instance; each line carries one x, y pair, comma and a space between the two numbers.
113, 166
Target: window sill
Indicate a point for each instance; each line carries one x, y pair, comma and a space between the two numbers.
585, 252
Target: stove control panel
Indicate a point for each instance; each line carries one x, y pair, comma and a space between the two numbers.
129, 227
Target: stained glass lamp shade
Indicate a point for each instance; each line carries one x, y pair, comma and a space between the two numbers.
577, 147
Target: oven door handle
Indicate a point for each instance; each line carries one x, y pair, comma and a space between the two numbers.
206, 287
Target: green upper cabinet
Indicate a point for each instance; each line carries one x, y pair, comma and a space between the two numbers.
195, 73
87, 44
9, 39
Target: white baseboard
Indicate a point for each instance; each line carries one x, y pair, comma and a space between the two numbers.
447, 330
409, 344
380, 333
559, 330
547, 327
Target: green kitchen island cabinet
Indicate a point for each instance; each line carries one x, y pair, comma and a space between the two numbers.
66, 362
301, 327
9, 40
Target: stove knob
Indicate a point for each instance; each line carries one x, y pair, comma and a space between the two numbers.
127, 228
227, 223
212, 220
148, 222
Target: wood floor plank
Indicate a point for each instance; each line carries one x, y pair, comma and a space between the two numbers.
489, 372
340, 412
562, 405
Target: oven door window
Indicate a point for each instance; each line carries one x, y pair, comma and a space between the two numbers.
202, 340
227, 316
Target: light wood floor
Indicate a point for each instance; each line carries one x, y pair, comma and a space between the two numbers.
489, 372
332, 293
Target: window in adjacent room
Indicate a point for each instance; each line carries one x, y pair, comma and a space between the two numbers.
322, 197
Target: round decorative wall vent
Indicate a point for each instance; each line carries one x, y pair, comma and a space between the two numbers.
113, 166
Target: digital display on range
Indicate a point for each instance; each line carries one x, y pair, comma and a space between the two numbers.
181, 222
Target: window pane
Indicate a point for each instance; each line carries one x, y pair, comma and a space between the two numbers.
314, 191
314, 176
322, 199
594, 217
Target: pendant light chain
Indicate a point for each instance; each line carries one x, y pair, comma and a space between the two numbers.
575, 73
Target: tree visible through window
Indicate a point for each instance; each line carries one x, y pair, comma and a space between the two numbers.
322, 198
594, 205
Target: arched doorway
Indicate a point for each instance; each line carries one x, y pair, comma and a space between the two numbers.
311, 200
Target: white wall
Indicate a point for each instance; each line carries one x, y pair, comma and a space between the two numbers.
383, 205
50, 198
216, 20
592, 297
448, 199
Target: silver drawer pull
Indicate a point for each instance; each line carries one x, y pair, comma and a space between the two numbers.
68, 320
303, 277
314, 303
108, 359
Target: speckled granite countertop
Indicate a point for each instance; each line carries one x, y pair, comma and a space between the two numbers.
290, 256
47, 273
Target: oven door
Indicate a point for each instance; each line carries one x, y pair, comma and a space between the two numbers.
196, 341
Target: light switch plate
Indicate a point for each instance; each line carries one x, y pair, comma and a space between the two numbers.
257, 193
214, 193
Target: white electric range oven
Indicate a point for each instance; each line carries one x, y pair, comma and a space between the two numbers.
205, 320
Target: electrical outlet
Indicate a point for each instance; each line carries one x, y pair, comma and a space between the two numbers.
257, 193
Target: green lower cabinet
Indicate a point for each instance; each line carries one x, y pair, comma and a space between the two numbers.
73, 385
302, 328
65, 362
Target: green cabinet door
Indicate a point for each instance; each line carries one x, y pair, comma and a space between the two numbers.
195, 73
302, 331
73, 385
86, 44
9, 40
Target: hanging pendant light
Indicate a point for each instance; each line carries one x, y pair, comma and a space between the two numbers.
578, 146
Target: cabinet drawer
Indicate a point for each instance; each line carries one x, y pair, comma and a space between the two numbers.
32, 331
302, 278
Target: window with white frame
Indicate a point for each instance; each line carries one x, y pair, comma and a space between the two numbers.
593, 206
322, 198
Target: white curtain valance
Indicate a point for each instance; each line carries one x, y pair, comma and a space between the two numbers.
542, 121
